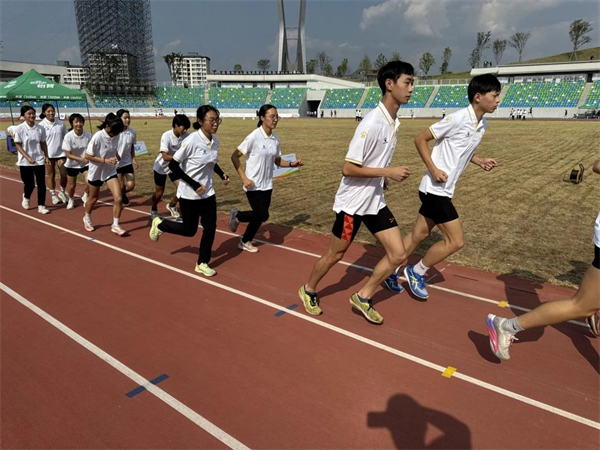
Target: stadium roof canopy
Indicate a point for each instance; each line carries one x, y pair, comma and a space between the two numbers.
541, 68
34, 86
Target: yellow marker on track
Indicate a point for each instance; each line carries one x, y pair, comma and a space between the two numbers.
503, 304
449, 371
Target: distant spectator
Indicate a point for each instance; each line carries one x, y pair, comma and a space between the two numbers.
566, 113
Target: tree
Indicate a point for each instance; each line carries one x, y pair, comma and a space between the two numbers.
577, 33
263, 64
395, 57
498, 49
237, 68
380, 61
474, 58
322, 61
518, 42
427, 60
365, 67
328, 70
174, 62
311, 66
342, 69
446, 57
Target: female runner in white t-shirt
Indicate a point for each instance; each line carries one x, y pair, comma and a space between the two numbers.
75, 145
262, 151
194, 164
55, 133
30, 140
102, 155
127, 161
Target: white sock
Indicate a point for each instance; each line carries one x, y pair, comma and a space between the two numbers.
420, 268
52, 192
62, 189
115, 222
88, 216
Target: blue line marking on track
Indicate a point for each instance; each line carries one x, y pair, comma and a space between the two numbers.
281, 313
140, 389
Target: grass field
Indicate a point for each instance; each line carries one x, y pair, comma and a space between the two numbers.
520, 219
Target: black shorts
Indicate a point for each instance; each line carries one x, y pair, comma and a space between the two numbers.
125, 169
596, 262
346, 226
161, 180
437, 208
99, 183
74, 171
63, 158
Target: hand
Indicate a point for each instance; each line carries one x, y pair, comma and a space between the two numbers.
248, 184
135, 164
297, 163
226, 179
112, 161
487, 164
399, 173
46, 160
386, 184
439, 176
201, 190
30, 160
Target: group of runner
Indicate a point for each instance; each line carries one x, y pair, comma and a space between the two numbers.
189, 160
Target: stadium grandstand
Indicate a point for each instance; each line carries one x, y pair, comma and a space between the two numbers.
549, 88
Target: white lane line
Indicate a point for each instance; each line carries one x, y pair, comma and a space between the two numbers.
342, 331
196, 418
356, 266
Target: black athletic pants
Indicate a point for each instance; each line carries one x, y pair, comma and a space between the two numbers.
260, 201
192, 211
32, 175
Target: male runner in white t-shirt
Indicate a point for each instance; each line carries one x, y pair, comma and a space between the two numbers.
360, 195
456, 139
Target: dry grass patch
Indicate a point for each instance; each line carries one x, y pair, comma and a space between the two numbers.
520, 219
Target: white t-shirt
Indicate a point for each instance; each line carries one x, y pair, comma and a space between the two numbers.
77, 145
372, 146
197, 157
12, 129
55, 133
261, 151
30, 138
597, 232
169, 144
126, 139
102, 146
457, 137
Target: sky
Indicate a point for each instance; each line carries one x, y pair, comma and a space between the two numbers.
244, 31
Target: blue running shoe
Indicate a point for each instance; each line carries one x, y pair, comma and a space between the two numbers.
392, 284
416, 282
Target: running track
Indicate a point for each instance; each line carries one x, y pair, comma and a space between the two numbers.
87, 318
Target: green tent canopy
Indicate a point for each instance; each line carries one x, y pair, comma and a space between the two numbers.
34, 86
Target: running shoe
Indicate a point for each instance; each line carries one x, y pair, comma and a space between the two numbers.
55, 199
43, 210
593, 322
500, 340
71, 204
173, 210
392, 284
233, 220
366, 308
124, 200
117, 230
87, 223
63, 196
153, 214
310, 302
25, 202
205, 270
84, 198
247, 246
154, 231
416, 282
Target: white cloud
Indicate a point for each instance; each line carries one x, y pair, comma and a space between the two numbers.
70, 54
171, 47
